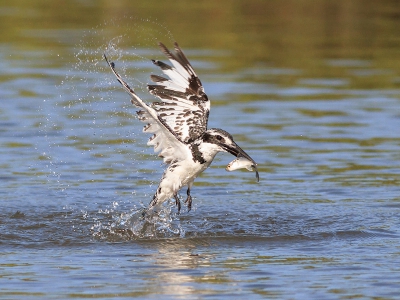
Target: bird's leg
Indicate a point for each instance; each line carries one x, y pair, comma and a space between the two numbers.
177, 203
155, 199
188, 200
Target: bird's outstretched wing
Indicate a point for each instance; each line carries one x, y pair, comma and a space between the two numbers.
164, 140
184, 106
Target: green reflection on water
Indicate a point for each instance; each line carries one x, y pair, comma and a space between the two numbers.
17, 145
357, 40
320, 113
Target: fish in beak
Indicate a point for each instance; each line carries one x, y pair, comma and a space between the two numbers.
243, 160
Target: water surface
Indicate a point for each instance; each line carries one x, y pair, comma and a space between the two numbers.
310, 91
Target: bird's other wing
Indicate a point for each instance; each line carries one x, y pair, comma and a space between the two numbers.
164, 140
184, 105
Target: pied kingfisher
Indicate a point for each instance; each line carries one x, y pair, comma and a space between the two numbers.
179, 126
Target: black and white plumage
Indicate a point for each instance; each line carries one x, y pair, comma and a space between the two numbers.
179, 126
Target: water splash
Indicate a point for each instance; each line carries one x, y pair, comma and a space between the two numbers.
86, 99
112, 225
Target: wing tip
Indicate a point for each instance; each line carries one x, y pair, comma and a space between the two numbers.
111, 64
163, 66
177, 48
157, 78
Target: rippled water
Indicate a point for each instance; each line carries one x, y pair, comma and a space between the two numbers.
322, 223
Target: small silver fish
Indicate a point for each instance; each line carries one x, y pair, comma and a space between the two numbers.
241, 163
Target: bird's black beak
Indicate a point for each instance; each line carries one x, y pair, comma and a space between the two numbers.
235, 150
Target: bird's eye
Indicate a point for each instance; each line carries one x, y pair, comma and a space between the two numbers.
219, 138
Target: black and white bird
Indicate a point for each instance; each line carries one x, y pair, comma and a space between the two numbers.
179, 127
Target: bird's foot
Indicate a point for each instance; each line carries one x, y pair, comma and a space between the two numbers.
178, 203
189, 202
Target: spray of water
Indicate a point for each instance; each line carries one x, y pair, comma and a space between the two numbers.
90, 120
114, 225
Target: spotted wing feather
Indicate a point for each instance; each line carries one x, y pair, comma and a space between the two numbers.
184, 105
164, 138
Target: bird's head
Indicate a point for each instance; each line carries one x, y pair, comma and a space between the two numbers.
222, 141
